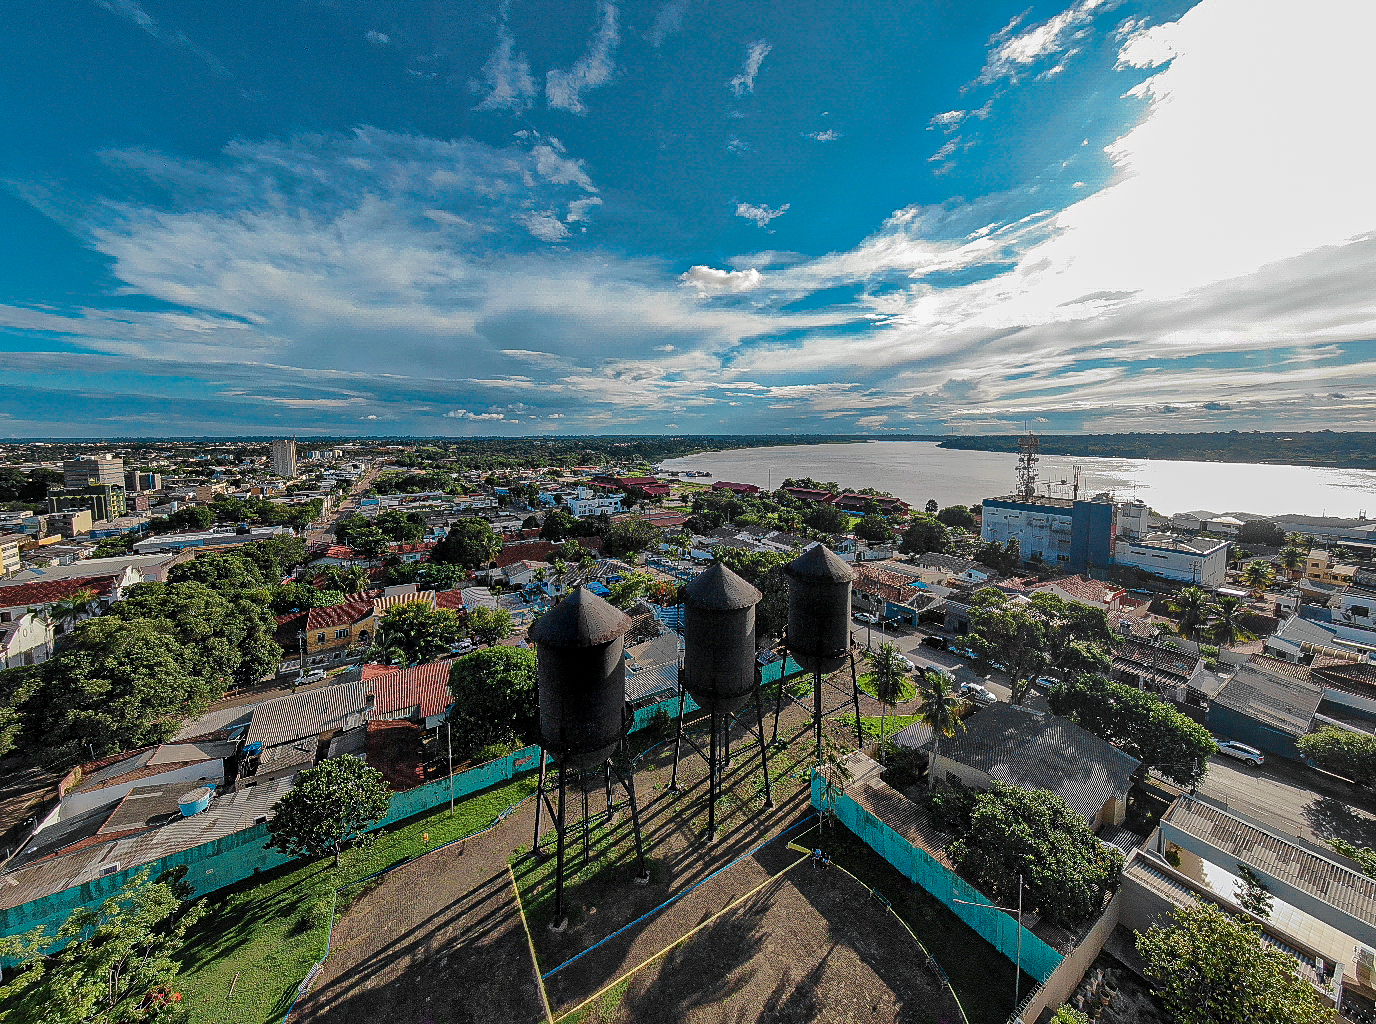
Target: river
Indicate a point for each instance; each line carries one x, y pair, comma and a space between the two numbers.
918, 470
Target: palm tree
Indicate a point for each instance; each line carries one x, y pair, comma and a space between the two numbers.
1258, 575
1227, 629
1292, 558
889, 670
74, 607
355, 579
938, 712
1192, 605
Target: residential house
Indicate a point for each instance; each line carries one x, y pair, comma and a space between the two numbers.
950, 570
1321, 567
26, 639
889, 593
1092, 593
292, 733
1019, 746
1266, 706
1166, 670
419, 694
346, 631
40, 597
1224, 526
726, 485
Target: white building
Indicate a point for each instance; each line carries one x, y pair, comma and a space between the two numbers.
589, 503
1194, 561
27, 639
1133, 519
9, 554
284, 458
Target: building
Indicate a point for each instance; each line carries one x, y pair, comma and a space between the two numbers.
223, 538
1167, 671
1036, 750
135, 481
346, 631
1073, 534
105, 501
20, 598
89, 472
26, 639
726, 485
1322, 567
9, 554
1192, 561
1267, 707
146, 568
284, 458
586, 502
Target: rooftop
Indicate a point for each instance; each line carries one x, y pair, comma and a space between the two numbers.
424, 687
1280, 701
50, 591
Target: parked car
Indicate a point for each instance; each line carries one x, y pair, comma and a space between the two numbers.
313, 676
1241, 751
978, 694
938, 642
867, 618
964, 652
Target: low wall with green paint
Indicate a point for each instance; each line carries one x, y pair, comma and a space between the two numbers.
997, 928
233, 858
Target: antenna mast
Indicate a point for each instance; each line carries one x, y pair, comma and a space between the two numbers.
1028, 446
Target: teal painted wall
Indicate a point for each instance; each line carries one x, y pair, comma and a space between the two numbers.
997, 928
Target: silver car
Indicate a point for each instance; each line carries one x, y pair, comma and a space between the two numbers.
1241, 751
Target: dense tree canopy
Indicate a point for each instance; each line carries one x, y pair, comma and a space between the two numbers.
415, 634
1343, 752
875, 529
494, 699
924, 533
471, 543
1011, 637
765, 572
630, 536
332, 804
960, 516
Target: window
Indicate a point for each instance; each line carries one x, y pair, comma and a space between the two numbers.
1360, 611
320, 638
340, 634
109, 869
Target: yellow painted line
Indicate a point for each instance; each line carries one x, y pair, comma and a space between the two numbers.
682, 938
530, 942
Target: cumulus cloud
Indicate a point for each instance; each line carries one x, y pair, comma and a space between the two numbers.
830, 135
755, 53
464, 414
544, 225
564, 89
560, 170
506, 75
580, 208
761, 215
710, 281
1012, 53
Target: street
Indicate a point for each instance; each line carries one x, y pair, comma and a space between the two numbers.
909, 641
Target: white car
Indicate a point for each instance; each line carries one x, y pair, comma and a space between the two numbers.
978, 694
867, 618
1241, 751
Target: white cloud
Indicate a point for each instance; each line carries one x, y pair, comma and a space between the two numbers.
668, 20
464, 414
830, 135
710, 281
564, 89
506, 74
949, 120
378, 38
545, 225
755, 53
579, 209
761, 215
1011, 55
560, 170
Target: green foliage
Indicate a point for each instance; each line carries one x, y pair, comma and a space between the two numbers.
924, 534
763, 571
1261, 531
1211, 968
825, 518
333, 803
1066, 1014
630, 535
494, 698
938, 711
471, 543
1191, 606
218, 570
558, 524
1006, 558
1346, 753
414, 633
117, 962
1253, 896
951, 806
1363, 856
875, 529
1258, 575
1147, 727
16, 485
490, 625
1010, 636
958, 516
1291, 558
889, 675
1035, 834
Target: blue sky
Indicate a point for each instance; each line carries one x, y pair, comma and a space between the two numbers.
678, 216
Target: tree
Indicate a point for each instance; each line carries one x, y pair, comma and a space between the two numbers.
931, 507
220, 571
106, 965
875, 529
889, 671
924, 534
1142, 724
1261, 531
1291, 559
1036, 835
194, 517
1191, 605
1346, 753
490, 625
836, 776
334, 803
1067, 1014
370, 542
765, 572
415, 634
938, 711
74, 607
558, 525
958, 516
1227, 628
471, 543
1009, 636
825, 518
629, 536
494, 698
1252, 894
1211, 968
1258, 575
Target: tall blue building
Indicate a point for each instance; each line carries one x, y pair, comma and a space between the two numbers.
1077, 535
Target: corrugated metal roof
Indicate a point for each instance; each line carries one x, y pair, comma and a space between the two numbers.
1282, 702
307, 714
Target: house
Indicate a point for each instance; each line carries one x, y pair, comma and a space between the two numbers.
419, 694
147, 568
40, 597
1037, 750
1321, 567
726, 485
585, 502
291, 733
180, 765
345, 631
1299, 637
1174, 558
889, 593
1091, 593
1266, 707
1167, 671
26, 639
1225, 526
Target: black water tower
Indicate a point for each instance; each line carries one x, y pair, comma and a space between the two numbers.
719, 639
819, 609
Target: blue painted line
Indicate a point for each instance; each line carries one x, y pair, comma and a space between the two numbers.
669, 902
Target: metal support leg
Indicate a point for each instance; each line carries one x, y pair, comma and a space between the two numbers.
855, 686
608, 773
726, 742
817, 712
582, 785
559, 919
779, 695
629, 782
712, 783
678, 738
539, 803
764, 757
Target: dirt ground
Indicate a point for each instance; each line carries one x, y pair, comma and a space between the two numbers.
441, 940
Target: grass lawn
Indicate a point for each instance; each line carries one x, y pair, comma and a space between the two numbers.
892, 723
269, 934
981, 975
907, 691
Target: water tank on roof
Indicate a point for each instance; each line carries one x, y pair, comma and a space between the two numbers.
196, 801
819, 609
581, 678
719, 639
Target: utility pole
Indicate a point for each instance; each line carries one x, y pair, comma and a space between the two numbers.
449, 742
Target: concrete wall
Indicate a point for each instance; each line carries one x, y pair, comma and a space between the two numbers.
999, 929
1067, 977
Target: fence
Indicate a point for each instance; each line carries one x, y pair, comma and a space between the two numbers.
1063, 981
235, 857
1000, 930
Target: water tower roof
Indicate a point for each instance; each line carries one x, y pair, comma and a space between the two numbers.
581, 620
819, 562
719, 589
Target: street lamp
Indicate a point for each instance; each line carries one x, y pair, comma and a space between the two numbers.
1017, 975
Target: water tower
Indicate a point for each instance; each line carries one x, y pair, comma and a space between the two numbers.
581, 678
719, 672
818, 636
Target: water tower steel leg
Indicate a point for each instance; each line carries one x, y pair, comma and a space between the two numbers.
540, 798
779, 696
726, 742
559, 918
712, 783
582, 785
817, 711
678, 739
855, 687
764, 750
628, 781
608, 773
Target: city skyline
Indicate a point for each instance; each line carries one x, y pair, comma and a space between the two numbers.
520, 218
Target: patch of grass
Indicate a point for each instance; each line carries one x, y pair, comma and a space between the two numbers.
603, 1008
260, 938
906, 691
981, 976
892, 723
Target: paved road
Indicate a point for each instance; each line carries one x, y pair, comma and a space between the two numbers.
1295, 799
910, 643
323, 531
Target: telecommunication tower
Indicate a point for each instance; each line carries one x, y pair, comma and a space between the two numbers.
1028, 446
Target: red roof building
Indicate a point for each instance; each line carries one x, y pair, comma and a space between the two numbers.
419, 693
726, 485
43, 593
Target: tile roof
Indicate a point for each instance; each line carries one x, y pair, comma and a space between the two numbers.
424, 686
1093, 591
1037, 750
353, 610
1281, 702
50, 591
1166, 663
